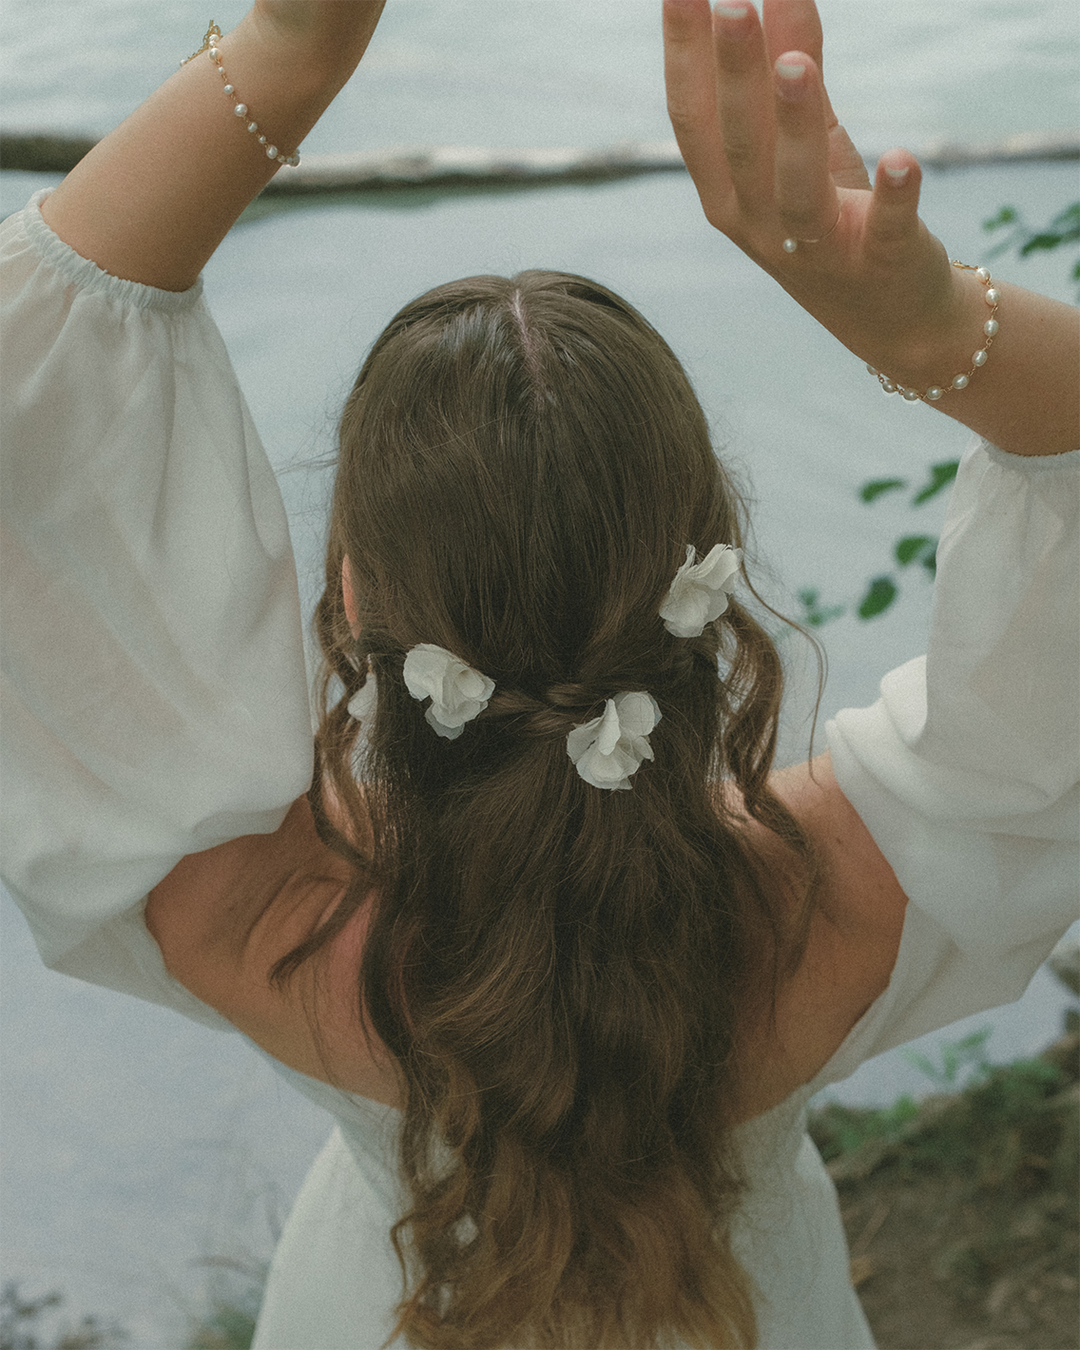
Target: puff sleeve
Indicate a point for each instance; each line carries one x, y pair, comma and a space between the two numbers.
155, 695
966, 769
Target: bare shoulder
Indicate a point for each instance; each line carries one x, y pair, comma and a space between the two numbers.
854, 933
224, 918
861, 896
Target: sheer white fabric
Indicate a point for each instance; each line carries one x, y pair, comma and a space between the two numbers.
154, 682
156, 704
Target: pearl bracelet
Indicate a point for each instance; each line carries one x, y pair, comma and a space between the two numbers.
990, 330
210, 41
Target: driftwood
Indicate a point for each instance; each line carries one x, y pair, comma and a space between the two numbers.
1012, 150
396, 168
41, 152
454, 167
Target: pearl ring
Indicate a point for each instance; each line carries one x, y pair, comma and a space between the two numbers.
790, 245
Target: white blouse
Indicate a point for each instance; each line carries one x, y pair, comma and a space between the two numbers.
155, 704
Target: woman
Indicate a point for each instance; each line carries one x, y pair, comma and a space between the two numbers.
548, 935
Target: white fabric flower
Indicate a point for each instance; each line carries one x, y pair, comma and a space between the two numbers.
610, 748
362, 704
700, 591
457, 692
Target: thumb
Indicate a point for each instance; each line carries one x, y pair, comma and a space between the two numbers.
892, 222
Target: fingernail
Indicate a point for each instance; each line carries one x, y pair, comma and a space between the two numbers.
731, 11
789, 84
897, 176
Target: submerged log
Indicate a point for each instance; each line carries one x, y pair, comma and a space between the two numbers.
42, 152
452, 167
1018, 149
398, 168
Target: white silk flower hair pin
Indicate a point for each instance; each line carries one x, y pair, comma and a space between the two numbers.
699, 593
457, 692
608, 750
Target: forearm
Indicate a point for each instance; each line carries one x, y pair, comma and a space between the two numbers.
152, 201
1026, 398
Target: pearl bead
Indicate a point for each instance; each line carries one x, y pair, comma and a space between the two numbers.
262, 140
978, 359
240, 110
228, 90
790, 245
293, 160
271, 152
215, 55
253, 127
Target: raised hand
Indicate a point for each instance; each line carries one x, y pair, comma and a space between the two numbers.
154, 199
772, 166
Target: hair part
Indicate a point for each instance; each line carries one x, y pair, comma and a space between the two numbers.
561, 972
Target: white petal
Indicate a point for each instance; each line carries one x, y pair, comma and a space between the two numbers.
425, 668
581, 738
638, 713
605, 771
442, 728
607, 736
719, 567
362, 704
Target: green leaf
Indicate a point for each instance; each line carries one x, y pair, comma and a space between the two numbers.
941, 475
1006, 216
930, 560
1067, 223
814, 613
878, 598
966, 1053
906, 550
1041, 242
876, 486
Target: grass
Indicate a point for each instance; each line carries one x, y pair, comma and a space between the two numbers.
227, 1326
20, 1325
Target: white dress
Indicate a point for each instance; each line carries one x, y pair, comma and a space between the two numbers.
155, 704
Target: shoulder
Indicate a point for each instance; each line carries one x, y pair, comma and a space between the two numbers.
225, 917
853, 941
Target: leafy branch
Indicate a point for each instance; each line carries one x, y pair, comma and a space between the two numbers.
1063, 229
908, 550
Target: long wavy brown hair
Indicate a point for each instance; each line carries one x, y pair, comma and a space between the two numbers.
560, 972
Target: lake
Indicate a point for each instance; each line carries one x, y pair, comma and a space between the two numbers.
135, 1143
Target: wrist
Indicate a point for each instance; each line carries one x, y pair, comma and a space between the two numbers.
324, 40
947, 351
284, 59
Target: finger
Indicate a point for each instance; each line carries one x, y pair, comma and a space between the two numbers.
795, 25
792, 25
845, 163
690, 79
745, 104
806, 196
892, 221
